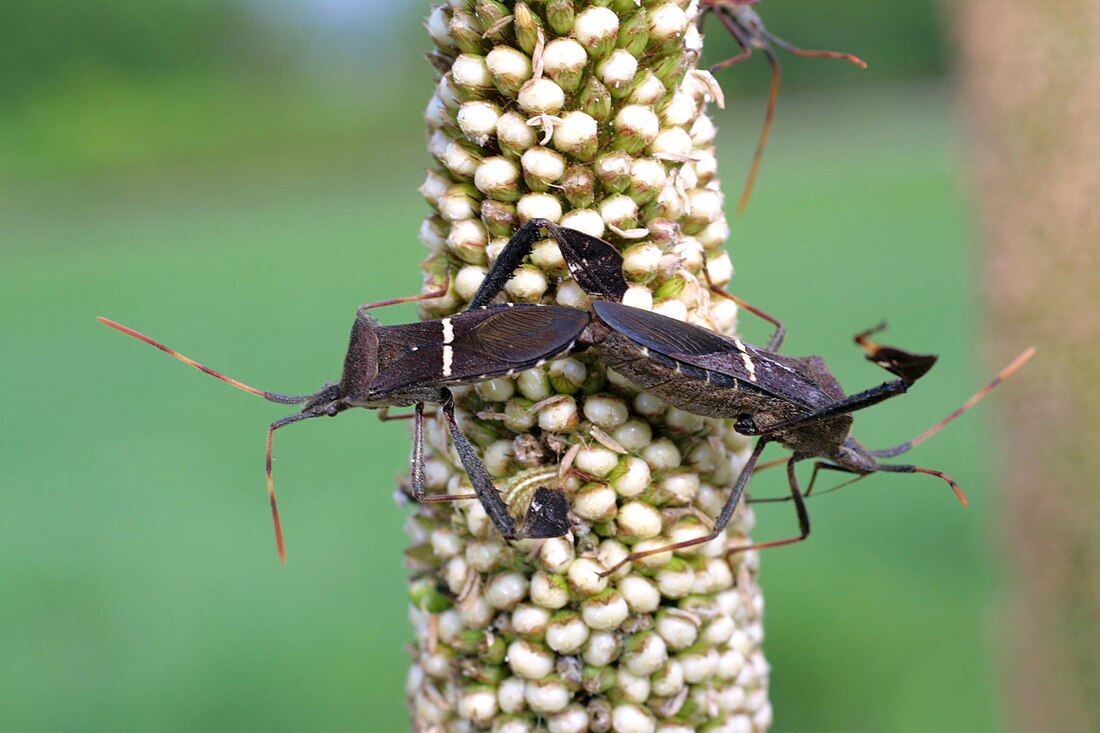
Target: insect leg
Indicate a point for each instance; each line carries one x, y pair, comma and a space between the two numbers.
510, 258
547, 515
417, 461
738, 35
776, 340
719, 524
805, 53
799, 507
442, 291
886, 390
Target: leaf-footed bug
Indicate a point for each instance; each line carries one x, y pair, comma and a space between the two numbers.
411, 364
796, 402
747, 29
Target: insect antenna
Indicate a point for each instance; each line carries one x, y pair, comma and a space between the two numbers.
931, 472
282, 399
796, 51
1004, 374
270, 396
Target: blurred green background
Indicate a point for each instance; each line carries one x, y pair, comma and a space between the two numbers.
234, 178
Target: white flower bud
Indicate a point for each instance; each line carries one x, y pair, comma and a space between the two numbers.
460, 161
563, 59
680, 111
640, 261
638, 296
498, 458
498, 178
478, 121
595, 502
467, 240
638, 121
529, 660
621, 212
547, 696
596, 461
437, 116
573, 719
572, 295
730, 663
526, 285
720, 268
506, 590
703, 132
678, 631
543, 165
568, 635
455, 573
675, 583
618, 69
445, 543
476, 613
554, 555
530, 621
585, 220
667, 23
458, 205
639, 520
723, 314
648, 656
634, 480
471, 72
514, 134
699, 666
602, 649
509, 67
640, 594
478, 704
631, 718
468, 280
661, 454
633, 687
510, 695
539, 206
606, 412
595, 25
549, 592
577, 135
483, 555
605, 612
584, 577
541, 97
560, 416
672, 141
431, 237
533, 384
672, 308
669, 680
648, 90
439, 27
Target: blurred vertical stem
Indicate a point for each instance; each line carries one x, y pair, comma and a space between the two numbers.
1032, 91
591, 114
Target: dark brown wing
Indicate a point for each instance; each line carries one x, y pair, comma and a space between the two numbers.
725, 359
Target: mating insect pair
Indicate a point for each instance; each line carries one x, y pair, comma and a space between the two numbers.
795, 402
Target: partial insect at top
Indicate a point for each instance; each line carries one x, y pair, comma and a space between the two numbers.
747, 28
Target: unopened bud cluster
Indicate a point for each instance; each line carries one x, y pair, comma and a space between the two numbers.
591, 115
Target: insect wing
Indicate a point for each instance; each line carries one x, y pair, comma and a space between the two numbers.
729, 362
596, 265
508, 339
